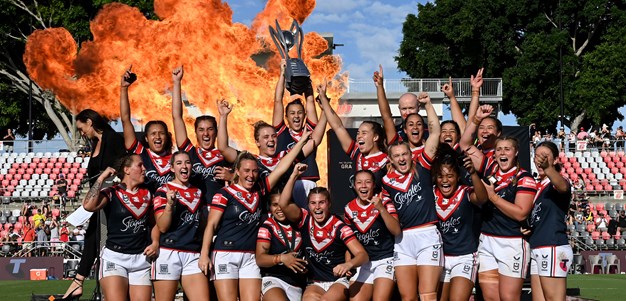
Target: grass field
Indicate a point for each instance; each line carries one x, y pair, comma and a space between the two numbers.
597, 287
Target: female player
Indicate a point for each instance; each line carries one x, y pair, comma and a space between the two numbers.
236, 210
209, 168
550, 252
124, 269
287, 134
279, 255
367, 152
418, 248
326, 239
375, 223
156, 158
178, 208
106, 147
455, 204
503, 252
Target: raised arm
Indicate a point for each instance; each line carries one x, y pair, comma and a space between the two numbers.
455, 108
94, 200
316, 137
230, 154
466, 139
434, 128
391, 221
476, 82
279, 109
288, 159
180, 130
127, 125
311, 110
479, 195
289, 208
383, 105
557, 180
333, 119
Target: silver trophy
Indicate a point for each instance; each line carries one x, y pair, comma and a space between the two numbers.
297, 75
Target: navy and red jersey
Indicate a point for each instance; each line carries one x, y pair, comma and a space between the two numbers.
127, 214
456, 220
548, 216
204, 163
412, 195
286, 139
241, 215
325, 246
377, 163
509, 184
283, 239
400, 134
158, 169
184, 233
370, 228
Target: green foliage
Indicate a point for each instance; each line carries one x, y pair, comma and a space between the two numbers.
520, 42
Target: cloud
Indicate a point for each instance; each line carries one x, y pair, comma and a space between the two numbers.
338, 6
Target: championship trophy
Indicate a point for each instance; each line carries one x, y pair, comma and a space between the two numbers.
297, 76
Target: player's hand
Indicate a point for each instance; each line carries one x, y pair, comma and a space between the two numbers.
224, 107
224, 174
477, 81
448, 89
484, 111
177, 74
299, 169
378, 77
126, 77
290, 260
342, 269
205, 264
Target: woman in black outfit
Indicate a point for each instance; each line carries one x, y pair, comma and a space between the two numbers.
106, 147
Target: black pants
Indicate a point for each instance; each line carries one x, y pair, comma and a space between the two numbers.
90, 248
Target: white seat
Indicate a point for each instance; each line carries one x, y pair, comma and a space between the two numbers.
47, 154
43, 176
28, 159
78, 159
85, 164
610, 176
23, 182
34, 176
19, 160
15, 194
49, 182
56, 154
601, 176
602, 165
584, 165
578, 154
619, 176
10, 160
21, 155
70, 159
569, 154
16, 212
39, 154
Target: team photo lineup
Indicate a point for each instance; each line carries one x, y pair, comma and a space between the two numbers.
438, 209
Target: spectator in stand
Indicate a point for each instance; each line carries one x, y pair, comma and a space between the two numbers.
612, 227
43, 232
54, 229
588, 216
582, 135
8, 141
620, 136
601, 223
29, 237
536, 138
61, 185
621, 221
45, 210
27, 209
595, 138
38, 218
78, 234
605, 134
64, 233
562, 138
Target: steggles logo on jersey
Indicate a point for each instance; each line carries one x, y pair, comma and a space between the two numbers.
248, 218
534, 215
406, 198
207, 173
153, 176
370, 236
451, 224
321, 257
188, 218
130, 223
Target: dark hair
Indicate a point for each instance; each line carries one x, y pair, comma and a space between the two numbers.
237, 164
208, 118
258, 126
456, 125
378, 130
377, 189
411, 115
445, 156
125, 161
553, 149
496, 120
176, 153
168, 136
99, 123
294, 102
319, 190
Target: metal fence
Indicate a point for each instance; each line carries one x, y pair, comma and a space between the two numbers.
462, 86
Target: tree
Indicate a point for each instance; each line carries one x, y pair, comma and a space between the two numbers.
19, 18
520, 41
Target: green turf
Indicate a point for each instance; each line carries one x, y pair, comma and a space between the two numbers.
597, 287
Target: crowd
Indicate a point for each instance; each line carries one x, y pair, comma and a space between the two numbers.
440, 205
603, 139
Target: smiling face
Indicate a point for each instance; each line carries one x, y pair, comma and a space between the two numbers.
414, 129
181, 166
275, 210
449, 134
206, 131
135, 171
488, 132
400, 157
86, 129
247, 173
319, 207
156, 135
366, 138
266, 141
295, 116
542, 150
506, 154
407, 104
364, 186
447, 180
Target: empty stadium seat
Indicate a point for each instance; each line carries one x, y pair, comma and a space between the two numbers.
595, 235
606, 235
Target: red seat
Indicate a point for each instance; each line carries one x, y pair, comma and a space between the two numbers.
41, 165
53, 160
26, 176
44, 159
53, 176
7, 226
23, 165
49, 165
606, 235
18, 226
572, 160
21, 171
36, 160
614, 170
58, 165
617, 235
587, 171
599, 206
595, 235
38, 170
62, 159
576, 165
623, 159
603, 154
589, 187
56, 212
65, 170
604, 181
71, 194
592, 176
583, 176
597, 187
14, 182
610, 165
5, 183
567, 165
608, 187
76, 182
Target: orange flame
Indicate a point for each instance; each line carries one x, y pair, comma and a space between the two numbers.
201, 36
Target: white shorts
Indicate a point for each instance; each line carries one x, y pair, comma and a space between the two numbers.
325, 285
418, 246
552, 261
510, 256
172, 264
465, 266
134, 267
372, 270
234, 265
293, 293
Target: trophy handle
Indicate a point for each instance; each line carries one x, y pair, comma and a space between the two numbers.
276, 38
298, 36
